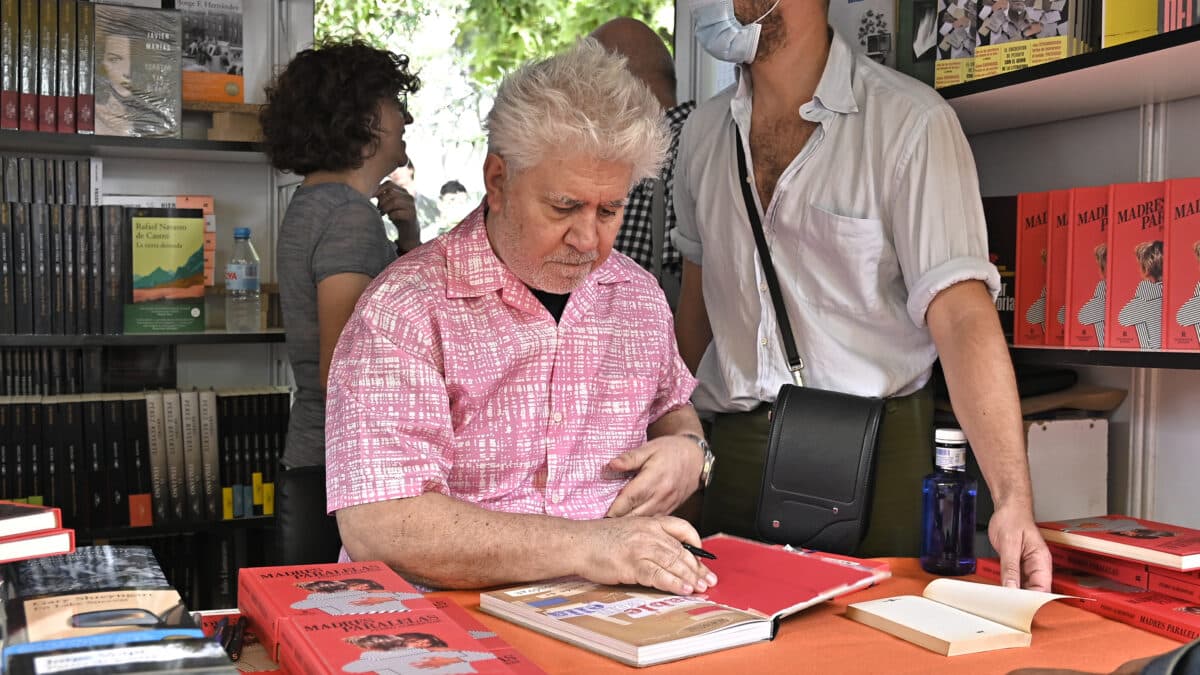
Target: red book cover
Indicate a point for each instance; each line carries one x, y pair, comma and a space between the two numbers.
1056, 266
1087, 258
423, 640
1135, 539
508, 655
1154, 612
1176, 588
1181, 276
1135, 260
1192, 577
1033, 230
18, 519
253, 657
1118, 570
267, 595
10, 80
48, 66
988, 568
40, 545
28, 65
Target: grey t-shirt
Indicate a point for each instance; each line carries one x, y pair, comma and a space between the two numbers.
329, 228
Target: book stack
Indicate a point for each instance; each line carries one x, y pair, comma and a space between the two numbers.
30, 531
363, 617
1139, 572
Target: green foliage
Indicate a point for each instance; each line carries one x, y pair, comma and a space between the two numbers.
496, 36
373, 22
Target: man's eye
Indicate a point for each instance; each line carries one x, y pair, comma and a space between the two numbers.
607, 213
564, 210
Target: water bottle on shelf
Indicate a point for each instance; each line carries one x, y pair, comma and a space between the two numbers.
948, 511
242, 291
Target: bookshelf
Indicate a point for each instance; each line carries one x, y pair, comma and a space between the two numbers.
35, 142
86, 536
212, 337
1058, 356
1157, 69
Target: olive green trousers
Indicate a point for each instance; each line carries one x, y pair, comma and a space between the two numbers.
739, 440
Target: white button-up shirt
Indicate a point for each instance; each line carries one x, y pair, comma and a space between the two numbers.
878, 213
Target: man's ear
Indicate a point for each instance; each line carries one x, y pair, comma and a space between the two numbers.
495, 178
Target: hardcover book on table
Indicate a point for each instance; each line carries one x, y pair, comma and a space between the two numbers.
758, 584
268, 596
1171, 617
1147, 541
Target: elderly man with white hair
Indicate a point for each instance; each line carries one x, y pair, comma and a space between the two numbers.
507, 402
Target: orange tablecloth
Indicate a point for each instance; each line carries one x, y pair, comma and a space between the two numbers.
821, 640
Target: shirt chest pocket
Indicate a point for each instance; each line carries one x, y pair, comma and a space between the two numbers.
840, 263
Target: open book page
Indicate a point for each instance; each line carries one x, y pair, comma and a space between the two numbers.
936, 627
1013, 607
774, 581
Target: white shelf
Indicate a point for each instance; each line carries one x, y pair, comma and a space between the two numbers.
1152, 70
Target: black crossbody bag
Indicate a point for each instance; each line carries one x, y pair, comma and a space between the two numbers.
820, 465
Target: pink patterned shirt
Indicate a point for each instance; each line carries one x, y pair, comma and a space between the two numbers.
451, 377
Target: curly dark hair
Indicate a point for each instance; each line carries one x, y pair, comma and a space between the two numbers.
322, 110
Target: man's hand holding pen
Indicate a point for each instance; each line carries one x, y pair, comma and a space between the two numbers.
646, 551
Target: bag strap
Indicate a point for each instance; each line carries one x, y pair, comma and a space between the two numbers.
658, 226
795, 363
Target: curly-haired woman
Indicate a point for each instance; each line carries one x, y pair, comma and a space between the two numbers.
336, 116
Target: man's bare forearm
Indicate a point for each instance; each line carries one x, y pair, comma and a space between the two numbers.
444, 542
983, 390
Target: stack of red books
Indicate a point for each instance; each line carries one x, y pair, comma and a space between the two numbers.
32, 531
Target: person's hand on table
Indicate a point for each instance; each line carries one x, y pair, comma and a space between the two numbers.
668, 472
645, 551
1024, 558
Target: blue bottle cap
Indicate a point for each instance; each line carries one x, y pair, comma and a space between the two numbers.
241, 233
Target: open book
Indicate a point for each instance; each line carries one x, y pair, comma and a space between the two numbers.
955, 617
757, 584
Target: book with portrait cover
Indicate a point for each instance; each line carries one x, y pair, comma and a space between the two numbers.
1181, 274
1135, 266
212, 50
267, 596
422, 640
92, 591
1033, 231
1087, 264
507, 654
759, 584
1057, 242
167, 271
1170, 546
137, 61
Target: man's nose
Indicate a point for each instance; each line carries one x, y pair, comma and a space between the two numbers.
584, 235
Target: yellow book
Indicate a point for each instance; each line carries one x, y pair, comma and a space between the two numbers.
1128, 20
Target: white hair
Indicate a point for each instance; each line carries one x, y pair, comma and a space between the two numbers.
585, 101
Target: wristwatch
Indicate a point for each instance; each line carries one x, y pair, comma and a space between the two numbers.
709, 459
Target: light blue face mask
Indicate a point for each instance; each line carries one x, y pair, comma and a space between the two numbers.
722, 35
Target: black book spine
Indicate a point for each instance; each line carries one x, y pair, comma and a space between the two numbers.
115, 458
12, 177
37, 173
52, 453
8, 315
6, 449
25, 180
57, 277
258, 463
78, 491
92, 366
22, 266
70, 310
225, 435
82, 265
115, 253
52, 175
57, 381
137, 460
95, 245
33, 444
245, 432
39, 266
99, 504
71, 182
20, 481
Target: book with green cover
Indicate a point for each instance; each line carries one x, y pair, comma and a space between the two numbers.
167, 271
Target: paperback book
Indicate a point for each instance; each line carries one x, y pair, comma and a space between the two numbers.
1087, 268
167, 271
1135, 266
758, 584
1146, 541
1181, 274
137, 71
212, 50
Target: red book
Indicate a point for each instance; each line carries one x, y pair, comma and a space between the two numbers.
1135, 539
487, 637
1087, 245
988, 568
1033, 231
1135, 255
40, 545
1154, 612
1188, 590
1056, 266
1181, 277
1118, 570
19, 519
269, 595
423, 640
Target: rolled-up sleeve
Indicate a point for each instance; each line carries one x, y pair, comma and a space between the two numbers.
686, 235
674, 387
937, 218
387, 423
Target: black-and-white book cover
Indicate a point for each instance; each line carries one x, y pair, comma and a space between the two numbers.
137, 71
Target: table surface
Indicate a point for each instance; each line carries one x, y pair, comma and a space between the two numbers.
822, 640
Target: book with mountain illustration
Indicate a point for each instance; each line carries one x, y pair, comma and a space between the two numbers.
167, 271
758, 584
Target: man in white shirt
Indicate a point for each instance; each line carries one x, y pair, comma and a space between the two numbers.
870, 203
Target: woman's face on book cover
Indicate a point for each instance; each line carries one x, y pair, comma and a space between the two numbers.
117, 64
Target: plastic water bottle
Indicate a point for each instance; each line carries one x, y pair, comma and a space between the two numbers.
948, 514
242, 292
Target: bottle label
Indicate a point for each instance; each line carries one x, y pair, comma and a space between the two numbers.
241, 277
950, 457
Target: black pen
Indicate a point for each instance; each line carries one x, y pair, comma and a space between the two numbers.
234, 646
697, 551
